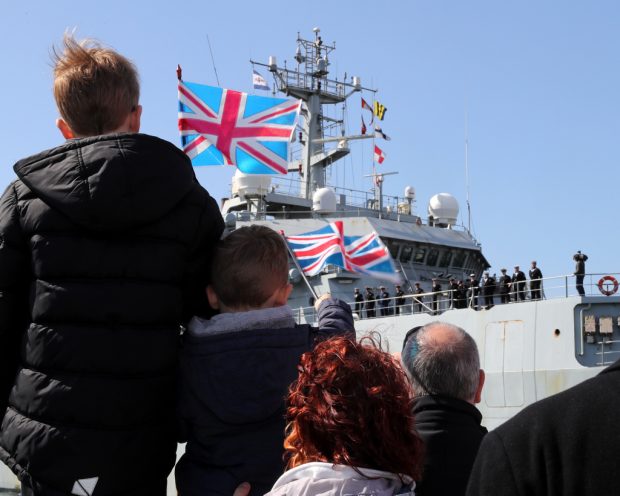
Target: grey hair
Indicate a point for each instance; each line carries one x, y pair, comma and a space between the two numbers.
449, 367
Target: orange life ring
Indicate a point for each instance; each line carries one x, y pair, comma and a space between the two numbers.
608, 292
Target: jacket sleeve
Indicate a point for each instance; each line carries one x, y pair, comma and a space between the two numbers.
14, 280
208, 233
335, 319
492, 473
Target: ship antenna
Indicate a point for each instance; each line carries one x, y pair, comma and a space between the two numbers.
213, 61
467, 175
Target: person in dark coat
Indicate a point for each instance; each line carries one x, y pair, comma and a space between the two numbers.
443, 365
454, 287
436, 289
580, 271
488, 290
385, 302
359, 302
461, 295
105, 244
518, 284
535, 282
417, 291
399, 301
504, 287
235, 369
564, 445
370, 303
473, 291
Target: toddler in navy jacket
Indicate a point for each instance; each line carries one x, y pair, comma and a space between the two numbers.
235, 369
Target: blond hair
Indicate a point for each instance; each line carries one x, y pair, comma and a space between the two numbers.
95, 88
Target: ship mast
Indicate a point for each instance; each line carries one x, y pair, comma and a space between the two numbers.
310, 83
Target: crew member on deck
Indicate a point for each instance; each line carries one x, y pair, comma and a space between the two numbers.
385, 302
370, 303
400, 299
359, 302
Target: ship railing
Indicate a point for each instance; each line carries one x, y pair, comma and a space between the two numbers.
435, 303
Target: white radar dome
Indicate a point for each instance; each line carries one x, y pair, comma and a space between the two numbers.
443, 208
250, 184
324, 200
409, 192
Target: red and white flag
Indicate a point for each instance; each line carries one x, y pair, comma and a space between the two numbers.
379, 155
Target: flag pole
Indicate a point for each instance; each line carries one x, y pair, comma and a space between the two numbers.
290, 252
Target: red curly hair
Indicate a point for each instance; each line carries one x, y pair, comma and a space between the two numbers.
352, 405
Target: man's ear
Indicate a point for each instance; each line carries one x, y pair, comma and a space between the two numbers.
64, 128
214, 301
281, 296
478, 396
134, 120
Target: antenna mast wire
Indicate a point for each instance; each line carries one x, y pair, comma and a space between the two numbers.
213, 61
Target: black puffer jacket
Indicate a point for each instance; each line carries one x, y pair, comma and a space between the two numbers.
104, 243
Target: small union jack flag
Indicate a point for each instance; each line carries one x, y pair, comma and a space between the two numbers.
225, 127
329, 246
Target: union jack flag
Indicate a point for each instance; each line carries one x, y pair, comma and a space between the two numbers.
363, 254
225, 127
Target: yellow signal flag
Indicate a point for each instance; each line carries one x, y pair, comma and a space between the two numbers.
380, 110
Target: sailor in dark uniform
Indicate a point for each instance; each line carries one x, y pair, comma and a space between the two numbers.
400, 299
580, 271
473, 292
370, 303
385, 302
488, 290
359, 302
535, 281
454, 288
518, 284
504, 287
417, 290
436, 289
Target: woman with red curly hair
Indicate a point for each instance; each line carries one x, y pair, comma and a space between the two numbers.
350, 430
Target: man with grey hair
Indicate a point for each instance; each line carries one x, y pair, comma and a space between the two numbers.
443, 365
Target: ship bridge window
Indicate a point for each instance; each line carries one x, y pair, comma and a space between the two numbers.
419, 255
459, 259
432, 257
392, 247
405, 254
445, 259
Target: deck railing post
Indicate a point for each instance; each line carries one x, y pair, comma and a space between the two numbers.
566, 285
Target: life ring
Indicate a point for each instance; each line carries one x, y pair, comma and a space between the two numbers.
608, 292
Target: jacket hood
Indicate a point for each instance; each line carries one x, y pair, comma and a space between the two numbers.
110, 182
327, 479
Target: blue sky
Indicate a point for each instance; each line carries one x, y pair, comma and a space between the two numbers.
538, 81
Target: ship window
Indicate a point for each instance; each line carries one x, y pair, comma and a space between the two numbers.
405, 254
459, 259
393, 247
432, 257
445, 259
419, 255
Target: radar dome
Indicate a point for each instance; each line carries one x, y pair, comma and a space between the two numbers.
409, 192
250, 184
444, 209
324, 200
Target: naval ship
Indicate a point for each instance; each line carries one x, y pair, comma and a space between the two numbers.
529, 349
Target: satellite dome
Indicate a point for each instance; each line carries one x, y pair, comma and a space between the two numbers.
250, 184
409, 192
444, 209
324, 200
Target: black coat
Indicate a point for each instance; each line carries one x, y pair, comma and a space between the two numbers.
232, 394
564, 445
451, 431
105, 246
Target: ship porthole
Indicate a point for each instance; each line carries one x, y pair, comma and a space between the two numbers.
556, 332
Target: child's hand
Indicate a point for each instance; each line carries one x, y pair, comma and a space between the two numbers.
317, 303
243, 489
